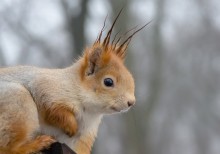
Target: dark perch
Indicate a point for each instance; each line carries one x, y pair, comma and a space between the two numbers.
58, 148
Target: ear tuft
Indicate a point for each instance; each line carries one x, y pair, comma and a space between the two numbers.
121, 52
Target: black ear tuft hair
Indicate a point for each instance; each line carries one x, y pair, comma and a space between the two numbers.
119, 49
123, 47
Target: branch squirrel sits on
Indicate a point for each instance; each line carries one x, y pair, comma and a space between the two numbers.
58, 148
41, 106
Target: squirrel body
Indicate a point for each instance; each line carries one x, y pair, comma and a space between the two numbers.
44, 94
39, 106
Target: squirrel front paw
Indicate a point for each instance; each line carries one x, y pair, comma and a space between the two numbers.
71, 128
62, 117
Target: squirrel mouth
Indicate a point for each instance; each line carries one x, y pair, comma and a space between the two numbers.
119, 110
115, 109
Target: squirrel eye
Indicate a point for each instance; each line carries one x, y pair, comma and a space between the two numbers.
108, 82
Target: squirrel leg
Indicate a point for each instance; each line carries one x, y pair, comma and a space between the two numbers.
82, 148
84, 144
32, 146
61, 116
19, 123
20, 142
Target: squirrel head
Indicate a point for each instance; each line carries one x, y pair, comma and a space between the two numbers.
108, 85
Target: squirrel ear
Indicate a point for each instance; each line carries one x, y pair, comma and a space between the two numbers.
94, 57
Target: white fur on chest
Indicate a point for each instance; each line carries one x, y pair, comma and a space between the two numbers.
87, 124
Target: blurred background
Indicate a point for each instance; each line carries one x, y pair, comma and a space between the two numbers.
175, 61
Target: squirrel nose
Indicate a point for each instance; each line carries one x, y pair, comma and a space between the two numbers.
131, 103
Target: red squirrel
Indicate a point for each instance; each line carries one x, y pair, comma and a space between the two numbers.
40, 106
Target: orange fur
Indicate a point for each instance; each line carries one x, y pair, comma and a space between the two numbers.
61, 116
84, 65
33, 146
84, 145
96, 54
21, 143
